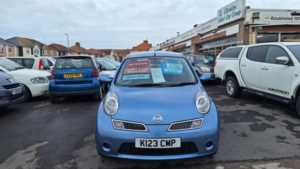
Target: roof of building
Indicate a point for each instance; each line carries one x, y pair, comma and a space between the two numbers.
2, 41
25, 42
78, 49
58, 47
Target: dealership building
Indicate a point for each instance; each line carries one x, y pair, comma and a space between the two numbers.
236, 24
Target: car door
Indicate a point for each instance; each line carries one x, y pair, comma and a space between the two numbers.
252, 66
277, 78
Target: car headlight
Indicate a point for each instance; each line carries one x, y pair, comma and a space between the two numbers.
11, 80
39, 80
202, 102
205, 69
111, 104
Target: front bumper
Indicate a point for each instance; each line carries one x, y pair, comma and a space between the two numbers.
7, 98
111, 142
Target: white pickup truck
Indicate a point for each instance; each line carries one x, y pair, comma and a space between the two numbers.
270, 69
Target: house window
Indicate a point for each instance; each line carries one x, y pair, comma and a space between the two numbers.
9, 50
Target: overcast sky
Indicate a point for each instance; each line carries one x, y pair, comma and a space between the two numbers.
111, 23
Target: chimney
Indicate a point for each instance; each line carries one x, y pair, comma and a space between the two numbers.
77, 44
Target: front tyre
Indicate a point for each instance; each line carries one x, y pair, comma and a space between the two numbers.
233, 88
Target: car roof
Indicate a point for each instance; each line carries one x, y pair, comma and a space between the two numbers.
154, 54
72, 56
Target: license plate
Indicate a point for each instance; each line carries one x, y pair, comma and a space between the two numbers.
158, 143
72, 75
16, 91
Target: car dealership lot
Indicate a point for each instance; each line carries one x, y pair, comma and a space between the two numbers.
255, 133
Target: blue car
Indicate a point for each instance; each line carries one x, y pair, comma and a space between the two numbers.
157, 109
11, 92
205, 64
74, 75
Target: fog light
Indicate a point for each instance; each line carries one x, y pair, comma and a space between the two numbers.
106, 147
209, 145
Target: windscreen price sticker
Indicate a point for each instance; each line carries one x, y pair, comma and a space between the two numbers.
138, 67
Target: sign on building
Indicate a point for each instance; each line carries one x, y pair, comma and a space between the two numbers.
273, 17
231, 12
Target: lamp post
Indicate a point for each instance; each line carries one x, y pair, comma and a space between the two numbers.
68, 41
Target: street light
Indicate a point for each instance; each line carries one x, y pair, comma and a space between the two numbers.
68, 41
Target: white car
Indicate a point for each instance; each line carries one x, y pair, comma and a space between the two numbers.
32, 62
270, 69
36, 82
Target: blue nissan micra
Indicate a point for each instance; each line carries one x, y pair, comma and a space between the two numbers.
157, 109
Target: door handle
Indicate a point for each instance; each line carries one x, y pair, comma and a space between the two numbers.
244, 65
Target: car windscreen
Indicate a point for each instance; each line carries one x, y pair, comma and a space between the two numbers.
155, 71
106, 65
205, 60
295, 49
9, 65
74, 63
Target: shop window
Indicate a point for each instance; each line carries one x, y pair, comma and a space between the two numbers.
290, 37
267, 37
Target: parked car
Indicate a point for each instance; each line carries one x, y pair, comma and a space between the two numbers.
11, 91
36, 82
157, 109
107, 73
205, 65
74, 75
31, 62
270, 69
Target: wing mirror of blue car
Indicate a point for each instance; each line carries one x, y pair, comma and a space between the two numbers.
198, 73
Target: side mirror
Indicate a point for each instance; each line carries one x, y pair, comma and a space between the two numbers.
198, 72
284, 60
99, 67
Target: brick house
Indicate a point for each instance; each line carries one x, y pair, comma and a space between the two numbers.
7, 48
78, 50
144, 46
55, 50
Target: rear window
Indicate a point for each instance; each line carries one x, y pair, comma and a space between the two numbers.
232, 53
28, 63
74, 63
257, 53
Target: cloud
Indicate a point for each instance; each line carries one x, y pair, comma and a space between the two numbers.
110, 23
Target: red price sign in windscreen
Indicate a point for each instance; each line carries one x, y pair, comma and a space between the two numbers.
138, 67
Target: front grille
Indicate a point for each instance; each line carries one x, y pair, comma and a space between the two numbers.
186, 148
181, 125
11, 86
134, 126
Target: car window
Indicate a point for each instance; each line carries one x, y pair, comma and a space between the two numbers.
231, 53
46, 64
28, 63
155, 71
273, 53
74, 62
257, 53
295, 49
17, 60
9, 65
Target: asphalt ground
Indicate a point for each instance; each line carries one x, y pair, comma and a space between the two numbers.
256, 133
